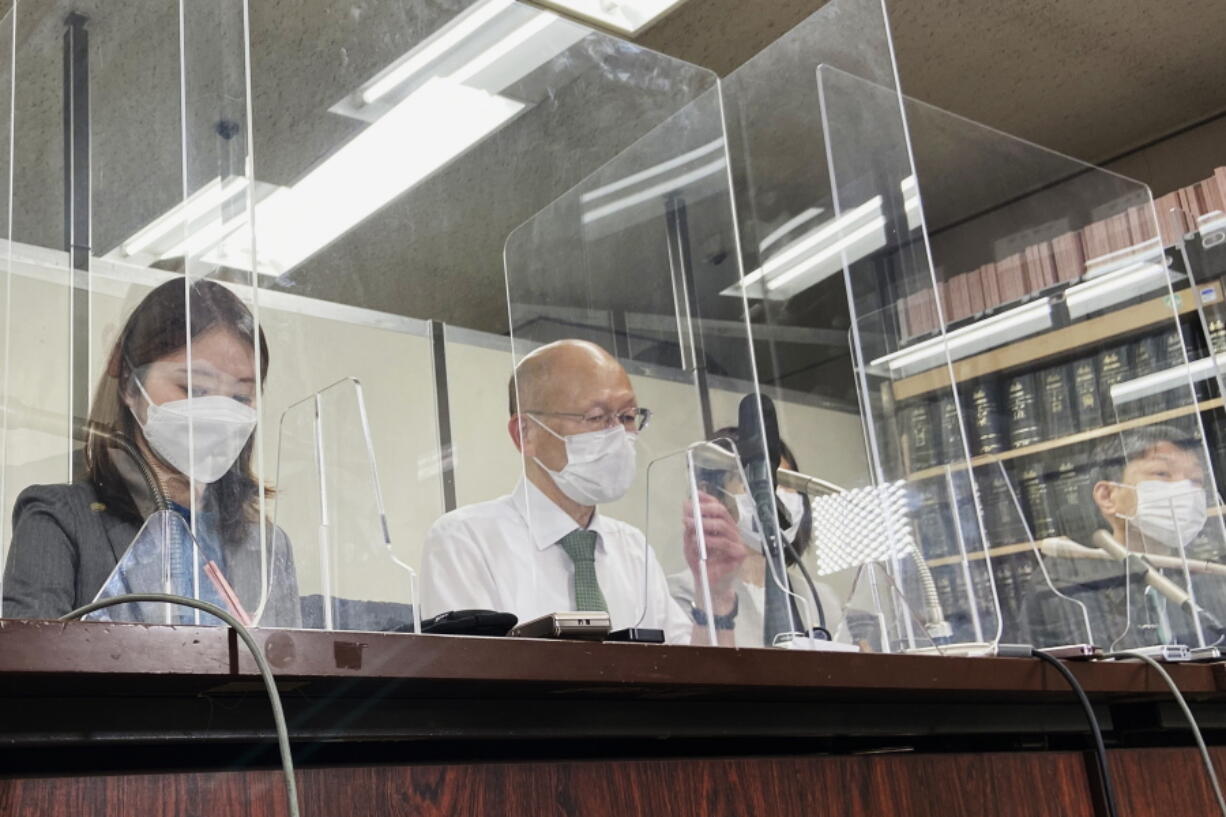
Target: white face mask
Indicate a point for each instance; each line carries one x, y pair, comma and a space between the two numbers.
201, 436
599, 465
747, 520
1171, 513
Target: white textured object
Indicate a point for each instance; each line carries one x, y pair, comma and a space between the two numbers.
860, 526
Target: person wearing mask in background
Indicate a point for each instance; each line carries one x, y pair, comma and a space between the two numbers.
67, 539
546, 547
751, 581
1149, 494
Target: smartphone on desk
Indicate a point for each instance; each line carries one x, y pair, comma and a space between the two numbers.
585, 625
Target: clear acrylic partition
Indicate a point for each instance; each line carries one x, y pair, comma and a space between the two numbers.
794, 241
681, 488
117, 118
329, 505
639, 259
1033, 291
277, 173
163, 559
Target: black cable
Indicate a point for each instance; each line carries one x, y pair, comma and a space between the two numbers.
1100, 747
146, 472
804, 571
270, 686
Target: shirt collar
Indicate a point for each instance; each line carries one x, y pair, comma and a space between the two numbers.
547, 523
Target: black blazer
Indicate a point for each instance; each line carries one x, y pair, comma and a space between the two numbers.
66, 544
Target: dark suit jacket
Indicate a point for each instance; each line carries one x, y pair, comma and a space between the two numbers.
66, 544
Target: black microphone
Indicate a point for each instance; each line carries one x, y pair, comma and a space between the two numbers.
759, 448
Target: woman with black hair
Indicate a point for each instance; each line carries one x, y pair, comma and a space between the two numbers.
171, 425
751, 588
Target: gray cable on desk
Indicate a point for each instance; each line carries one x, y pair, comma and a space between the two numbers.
1100, 747
274, 698
1187, 713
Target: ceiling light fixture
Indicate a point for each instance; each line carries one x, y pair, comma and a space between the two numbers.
435, 47
626, 16
816, 255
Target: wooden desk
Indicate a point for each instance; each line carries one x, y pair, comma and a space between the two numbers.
107, 719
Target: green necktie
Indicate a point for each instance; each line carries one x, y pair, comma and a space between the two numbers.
580, 546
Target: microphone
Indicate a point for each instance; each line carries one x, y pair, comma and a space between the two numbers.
1155, 579
760, 449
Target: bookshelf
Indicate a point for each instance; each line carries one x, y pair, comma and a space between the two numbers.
1127, 321
1071, 439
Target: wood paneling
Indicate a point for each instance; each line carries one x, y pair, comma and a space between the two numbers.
1164, 782
987, 785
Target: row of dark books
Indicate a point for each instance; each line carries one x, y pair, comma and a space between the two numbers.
1014, 577
1063, 259
1041, 496
1020, 409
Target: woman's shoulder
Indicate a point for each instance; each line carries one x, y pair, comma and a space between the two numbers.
75, 496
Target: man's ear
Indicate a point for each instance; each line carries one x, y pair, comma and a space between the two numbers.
515, 427
1104, 498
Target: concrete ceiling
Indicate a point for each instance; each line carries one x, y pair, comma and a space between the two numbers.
1093, 78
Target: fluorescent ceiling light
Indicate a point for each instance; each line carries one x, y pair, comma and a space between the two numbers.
789, 225
435, 47
1158, 382
1003, 328
874, 229
653, 171
656, 191
1114, 287
451, 82
539, 23
627, 16
378, 164
911, 202
174, 224
817, 254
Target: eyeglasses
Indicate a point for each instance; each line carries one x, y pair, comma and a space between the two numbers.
631, 419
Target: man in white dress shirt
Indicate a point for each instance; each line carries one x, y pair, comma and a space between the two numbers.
545, 548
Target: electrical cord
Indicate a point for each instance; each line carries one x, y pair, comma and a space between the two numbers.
1187, 713
1100, 747
804, 571
270, 686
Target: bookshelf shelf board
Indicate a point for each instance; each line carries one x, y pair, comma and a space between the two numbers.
1072, 439
1050, 344
977, 555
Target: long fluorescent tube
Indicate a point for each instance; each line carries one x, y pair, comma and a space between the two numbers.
827, 234
517, 38
789, 225
203, 202
380, 163
654, 170
1114, 287
435, 47
655, 191
876, 226
627, 16
992, 331
1158, 382
911, 201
